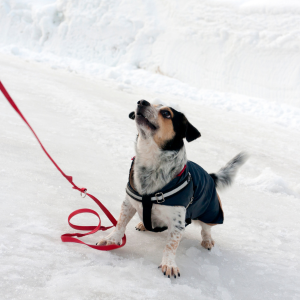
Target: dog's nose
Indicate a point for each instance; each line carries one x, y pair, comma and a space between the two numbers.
143, 103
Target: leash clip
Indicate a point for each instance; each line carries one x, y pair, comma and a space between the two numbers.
160, 194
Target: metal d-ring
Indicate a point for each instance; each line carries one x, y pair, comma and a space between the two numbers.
160, 194
83, 193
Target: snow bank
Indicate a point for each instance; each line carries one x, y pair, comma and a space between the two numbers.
270, 182
247, 47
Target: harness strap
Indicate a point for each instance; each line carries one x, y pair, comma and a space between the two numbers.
69, 237
159, 197
147, 208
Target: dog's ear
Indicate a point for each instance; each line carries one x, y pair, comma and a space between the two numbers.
191, 132
132, 115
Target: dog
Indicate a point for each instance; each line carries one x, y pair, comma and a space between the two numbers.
160, 168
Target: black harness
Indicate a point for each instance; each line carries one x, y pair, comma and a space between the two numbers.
179, 195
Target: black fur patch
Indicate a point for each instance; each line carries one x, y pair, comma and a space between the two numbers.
214, 177
179, 227
191, 133
183, 129
132, 115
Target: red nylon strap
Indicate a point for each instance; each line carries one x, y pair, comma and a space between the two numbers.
69, 237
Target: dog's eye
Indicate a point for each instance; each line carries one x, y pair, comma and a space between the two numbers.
166, 114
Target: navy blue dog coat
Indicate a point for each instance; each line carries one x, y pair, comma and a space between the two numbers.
194, 189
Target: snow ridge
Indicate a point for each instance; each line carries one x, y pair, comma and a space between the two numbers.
237, 46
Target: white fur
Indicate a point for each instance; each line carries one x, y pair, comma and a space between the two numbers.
155, 165
227, 173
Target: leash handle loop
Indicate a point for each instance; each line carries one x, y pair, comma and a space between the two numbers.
70, 237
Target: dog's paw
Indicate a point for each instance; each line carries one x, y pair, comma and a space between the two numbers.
208, 244
140, 227
111, 239
170, 269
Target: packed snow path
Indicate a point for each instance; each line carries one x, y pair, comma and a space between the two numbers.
83, 123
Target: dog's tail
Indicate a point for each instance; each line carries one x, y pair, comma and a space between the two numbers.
224, 177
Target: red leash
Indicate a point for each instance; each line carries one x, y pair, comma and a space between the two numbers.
70, 237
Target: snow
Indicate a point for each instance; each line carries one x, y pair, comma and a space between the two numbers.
76, 70
238, 46
268, 181
84, 125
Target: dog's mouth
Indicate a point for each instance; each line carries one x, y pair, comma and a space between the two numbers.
144, 120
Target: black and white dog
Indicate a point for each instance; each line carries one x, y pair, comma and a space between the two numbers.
160, 157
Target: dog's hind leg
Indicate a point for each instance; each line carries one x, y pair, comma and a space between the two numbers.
140, 227
207, 241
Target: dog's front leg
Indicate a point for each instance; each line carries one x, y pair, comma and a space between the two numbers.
176, 226
127, 212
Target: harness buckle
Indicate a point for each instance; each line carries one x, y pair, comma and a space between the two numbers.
160, 194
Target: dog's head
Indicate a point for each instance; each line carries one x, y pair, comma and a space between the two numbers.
165, 125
